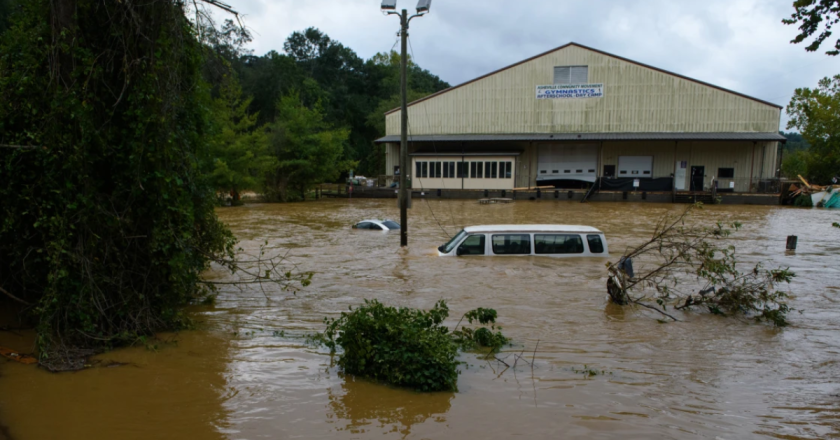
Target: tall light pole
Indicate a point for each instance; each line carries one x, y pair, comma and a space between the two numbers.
390, 7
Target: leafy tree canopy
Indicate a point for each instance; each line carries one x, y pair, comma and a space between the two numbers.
238, 157
815, 19
816, 114
308, 149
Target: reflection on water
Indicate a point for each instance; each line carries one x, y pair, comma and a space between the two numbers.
361, 405
249, 375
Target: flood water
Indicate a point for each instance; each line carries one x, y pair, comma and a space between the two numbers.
248, 374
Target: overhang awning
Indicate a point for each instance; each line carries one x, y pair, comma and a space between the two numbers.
456, 150
550, 137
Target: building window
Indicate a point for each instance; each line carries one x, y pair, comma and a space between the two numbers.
462, 170
571, 75
437, 170
425, 169
479, 167
505, 170
446, 170
491, 170
475, 170
451, 169
726, 173
419, 171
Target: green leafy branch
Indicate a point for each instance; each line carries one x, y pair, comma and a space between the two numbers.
687, 266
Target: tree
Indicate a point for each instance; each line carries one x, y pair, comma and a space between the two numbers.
107, 222
308, 150
810, 15
238, 155
816, 114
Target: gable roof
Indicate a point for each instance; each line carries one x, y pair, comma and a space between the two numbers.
596, 51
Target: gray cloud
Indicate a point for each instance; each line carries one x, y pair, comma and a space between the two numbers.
737, 44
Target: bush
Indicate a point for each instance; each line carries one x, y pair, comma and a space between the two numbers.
400, 346
482, 337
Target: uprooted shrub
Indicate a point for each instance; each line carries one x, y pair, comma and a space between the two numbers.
406, 347
686, 266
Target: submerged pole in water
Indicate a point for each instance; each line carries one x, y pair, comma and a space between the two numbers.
389, 6
403, 130
791, 242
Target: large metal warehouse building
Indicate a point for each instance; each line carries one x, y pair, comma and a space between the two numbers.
576, 115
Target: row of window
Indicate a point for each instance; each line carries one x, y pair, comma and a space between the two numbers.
472, 170
520, 244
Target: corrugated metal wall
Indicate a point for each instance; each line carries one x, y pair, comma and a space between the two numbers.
636, 99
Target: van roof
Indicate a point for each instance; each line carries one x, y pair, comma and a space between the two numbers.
530, 228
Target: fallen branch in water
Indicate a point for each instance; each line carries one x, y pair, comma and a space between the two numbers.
687, 266
262, 270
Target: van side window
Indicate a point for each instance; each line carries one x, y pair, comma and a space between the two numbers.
363, 225
558, 244
596, 246
473, 245
375, 227
512, 244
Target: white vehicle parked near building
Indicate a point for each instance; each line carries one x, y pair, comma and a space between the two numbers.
539, 240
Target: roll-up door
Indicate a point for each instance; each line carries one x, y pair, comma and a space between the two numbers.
567, 162
635, 166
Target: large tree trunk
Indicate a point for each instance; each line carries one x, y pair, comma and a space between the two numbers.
63, 19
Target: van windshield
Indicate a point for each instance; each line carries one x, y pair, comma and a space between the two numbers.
447, 248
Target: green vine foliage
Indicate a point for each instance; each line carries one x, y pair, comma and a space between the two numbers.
105, 221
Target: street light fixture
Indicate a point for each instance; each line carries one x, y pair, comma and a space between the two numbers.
390, 7
389, 4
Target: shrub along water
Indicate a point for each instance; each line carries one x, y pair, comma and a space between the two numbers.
406, 347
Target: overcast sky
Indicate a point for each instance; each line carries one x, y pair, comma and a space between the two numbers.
737, 44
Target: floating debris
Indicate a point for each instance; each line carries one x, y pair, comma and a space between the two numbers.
821, 196
8, 353
494, 200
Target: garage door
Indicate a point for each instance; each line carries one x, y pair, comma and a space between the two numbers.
635, 166
567, 162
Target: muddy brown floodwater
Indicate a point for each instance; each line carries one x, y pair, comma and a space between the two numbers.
247, 374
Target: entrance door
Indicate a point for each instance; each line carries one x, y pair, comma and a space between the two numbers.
698, 174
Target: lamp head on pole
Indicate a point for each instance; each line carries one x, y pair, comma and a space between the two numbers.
423, 6
389, 5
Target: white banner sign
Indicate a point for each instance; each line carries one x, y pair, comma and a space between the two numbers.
570, 91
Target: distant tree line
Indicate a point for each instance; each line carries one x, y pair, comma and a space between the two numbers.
312, 112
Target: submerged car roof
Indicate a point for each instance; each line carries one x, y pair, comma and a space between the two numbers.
530, 228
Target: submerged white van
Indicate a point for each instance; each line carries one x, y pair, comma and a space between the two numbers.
540, 240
